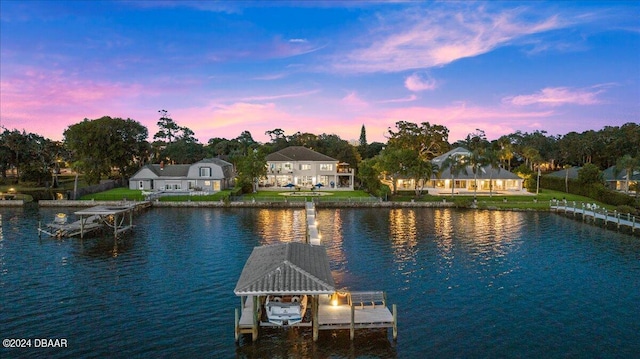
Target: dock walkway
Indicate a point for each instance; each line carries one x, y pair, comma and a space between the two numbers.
593, 213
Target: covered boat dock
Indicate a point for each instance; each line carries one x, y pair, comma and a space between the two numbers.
117, 217
296, 268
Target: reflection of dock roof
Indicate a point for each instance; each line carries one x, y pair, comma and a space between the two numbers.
288, 268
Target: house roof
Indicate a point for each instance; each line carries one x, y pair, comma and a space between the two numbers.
573, 173
298, 153
172, 171
485, 172
620, 174
458, 151
467, 173
287, 268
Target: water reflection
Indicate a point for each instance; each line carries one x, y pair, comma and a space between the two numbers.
298, 343
280, 225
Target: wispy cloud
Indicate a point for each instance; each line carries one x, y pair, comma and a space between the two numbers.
419, 82
410, 98
427, 38
558, 96
281, 96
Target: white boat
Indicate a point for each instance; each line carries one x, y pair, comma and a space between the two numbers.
285, 309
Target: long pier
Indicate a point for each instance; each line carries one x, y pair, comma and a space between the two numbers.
594, 213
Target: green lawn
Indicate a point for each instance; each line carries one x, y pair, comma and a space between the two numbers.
116, 194
119, 194
334, 194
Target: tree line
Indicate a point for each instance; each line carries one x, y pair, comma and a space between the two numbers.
117, 148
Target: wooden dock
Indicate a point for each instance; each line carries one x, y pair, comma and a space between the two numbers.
595, 214
94, 218
296, 268
340, 311
313, 233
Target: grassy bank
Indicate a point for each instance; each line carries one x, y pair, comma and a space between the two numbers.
525, 202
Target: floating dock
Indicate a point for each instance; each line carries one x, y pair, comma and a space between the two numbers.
591, 212
94, 218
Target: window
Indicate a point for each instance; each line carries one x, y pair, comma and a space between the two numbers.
287, 166
141, 185
172, 186
326, 167
205, 172
305, 167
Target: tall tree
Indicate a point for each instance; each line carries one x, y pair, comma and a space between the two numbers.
427, 140
169, 130
107, 143
251, 168
362, 142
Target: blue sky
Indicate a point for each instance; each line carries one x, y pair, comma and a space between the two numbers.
220, 68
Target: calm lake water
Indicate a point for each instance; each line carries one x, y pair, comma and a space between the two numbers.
467, 284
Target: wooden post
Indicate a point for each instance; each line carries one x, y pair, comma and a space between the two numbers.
352, 326
315, 308
115, 226
81, 227
394, 308
254, 332
618, 217
237, 327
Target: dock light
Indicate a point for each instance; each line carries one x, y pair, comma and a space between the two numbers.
12, 190
334, 299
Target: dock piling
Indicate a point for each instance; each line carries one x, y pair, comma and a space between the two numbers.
394, 308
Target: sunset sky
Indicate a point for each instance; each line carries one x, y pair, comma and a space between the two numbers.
221, 68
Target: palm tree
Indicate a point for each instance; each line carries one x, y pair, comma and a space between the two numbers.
492, 160
566, 178
456, 163
476, 161
629, 164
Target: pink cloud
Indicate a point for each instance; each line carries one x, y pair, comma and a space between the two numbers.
419, 82
430, 38
557, 96
354, 101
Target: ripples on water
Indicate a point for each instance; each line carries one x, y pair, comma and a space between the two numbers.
467, 284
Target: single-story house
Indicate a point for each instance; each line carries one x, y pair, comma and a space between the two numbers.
488, 178
302, 167
617, 179
208, 175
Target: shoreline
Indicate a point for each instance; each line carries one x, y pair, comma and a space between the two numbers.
279, 204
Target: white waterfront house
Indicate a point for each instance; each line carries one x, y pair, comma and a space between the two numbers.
485, 179
298, 166
209, 175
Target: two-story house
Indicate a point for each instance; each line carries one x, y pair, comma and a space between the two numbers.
301, 167
208, 175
